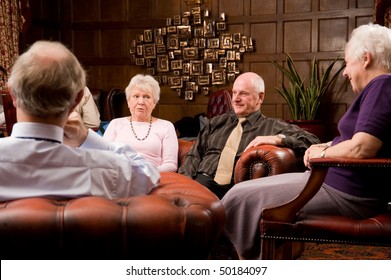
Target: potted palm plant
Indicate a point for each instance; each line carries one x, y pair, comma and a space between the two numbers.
304, 97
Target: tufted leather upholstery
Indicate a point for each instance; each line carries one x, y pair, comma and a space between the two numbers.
266, 160
219, 103
180, 220
279, 225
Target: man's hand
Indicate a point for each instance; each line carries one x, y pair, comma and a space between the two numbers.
265, 140
75, 131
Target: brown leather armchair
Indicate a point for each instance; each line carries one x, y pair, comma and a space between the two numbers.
280, 226
180, 219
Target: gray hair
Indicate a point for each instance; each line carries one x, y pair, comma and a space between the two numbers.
46, 79
374, 39
145, 83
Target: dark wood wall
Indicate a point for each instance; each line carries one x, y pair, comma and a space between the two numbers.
100, 32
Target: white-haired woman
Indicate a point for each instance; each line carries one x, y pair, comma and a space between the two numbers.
365, 132
153, 138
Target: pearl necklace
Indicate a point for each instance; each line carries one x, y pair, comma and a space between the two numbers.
134, 132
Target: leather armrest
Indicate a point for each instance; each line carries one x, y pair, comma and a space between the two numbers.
319, 166
265, 160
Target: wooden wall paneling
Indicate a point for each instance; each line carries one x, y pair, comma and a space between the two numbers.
100, 32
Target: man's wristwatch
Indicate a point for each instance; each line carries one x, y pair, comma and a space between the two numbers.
282, 137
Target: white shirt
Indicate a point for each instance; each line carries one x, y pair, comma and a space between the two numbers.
35, 163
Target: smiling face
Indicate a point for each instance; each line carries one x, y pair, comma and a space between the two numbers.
141, 104
245, 98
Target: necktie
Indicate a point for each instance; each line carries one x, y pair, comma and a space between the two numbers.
227, 158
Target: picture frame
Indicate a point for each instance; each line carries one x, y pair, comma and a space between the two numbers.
209, 28
172, 42
175, 82
211, 55
226, 41
184, 31
148, 37
218, 77
149, 50
196, 67
190, 53
176, 64
162, 63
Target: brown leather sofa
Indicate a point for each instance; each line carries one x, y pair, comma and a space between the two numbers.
180, 219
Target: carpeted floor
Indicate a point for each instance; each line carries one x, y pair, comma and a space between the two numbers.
313, 251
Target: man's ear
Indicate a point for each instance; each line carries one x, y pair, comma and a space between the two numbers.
78, 98
261, 96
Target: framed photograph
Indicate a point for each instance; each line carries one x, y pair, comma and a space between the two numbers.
226, 41
161, 49
197, 19
231, 77
185, 21
196, 10
184, 31
159, 40
177, 20
148, 62
162, 63
231, 55
209, 28
218, 77
139, 38
223, 62
220, 26
189, 95
190, 86
151, 71
139, 50
202, 43
211, 55
176, 64
208, 68
171, 29
196, 67
183, 44
222, 17
157, 32
213, 43
149, 50
190, 53
243, 41
175, 82
236, 38
198, 32
231, 67
206, 13
172, 42
139, 61
203, 80
186, 68
168, 21
148, 38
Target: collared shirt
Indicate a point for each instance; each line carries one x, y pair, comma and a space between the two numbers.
205, 154
35, 163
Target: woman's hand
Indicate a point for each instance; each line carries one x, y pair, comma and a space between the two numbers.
314, 151
75, 131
